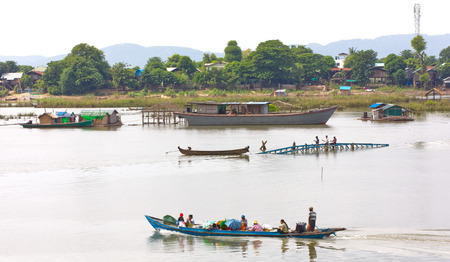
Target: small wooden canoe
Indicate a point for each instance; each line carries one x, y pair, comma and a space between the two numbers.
189, 151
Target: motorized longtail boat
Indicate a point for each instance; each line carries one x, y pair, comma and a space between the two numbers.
189, 151
158, 224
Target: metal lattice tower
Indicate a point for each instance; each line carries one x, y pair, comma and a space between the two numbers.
417, 18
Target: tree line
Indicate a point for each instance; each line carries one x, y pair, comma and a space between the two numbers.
85, 69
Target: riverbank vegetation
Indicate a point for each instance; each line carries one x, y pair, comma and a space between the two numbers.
294, 101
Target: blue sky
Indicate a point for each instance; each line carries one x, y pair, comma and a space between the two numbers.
53, 27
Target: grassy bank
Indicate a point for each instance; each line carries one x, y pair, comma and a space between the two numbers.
300, 100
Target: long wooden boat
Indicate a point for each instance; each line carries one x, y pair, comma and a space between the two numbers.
214, 152
158, 224
250, 113
86, 123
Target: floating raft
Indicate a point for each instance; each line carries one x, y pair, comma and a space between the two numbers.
312, 148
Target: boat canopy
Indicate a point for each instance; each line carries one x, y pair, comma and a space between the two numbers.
96, 114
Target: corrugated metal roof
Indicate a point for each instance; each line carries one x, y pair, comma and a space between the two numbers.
376, 105
228, 103
86, 112
12, 76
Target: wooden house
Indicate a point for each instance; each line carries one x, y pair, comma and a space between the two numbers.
101, 117
10, 80
345, 90
378, 74
56, 118
390, 112
35, 75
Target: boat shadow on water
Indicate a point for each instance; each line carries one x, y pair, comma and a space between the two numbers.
176, 243
188, 159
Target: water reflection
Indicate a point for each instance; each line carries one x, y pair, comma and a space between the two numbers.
188, 159
181, 243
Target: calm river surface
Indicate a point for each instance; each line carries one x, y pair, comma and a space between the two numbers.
81, 194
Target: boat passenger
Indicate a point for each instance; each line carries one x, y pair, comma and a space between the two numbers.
180, 219
243, 223
256, 227
283, 229
190, 221
311, 220
215, 227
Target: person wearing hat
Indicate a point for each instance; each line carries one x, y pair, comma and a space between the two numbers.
256, 226
180, 220
311, 219
243, 223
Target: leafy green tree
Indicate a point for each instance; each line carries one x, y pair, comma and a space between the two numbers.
444, 70
360, 62
26, 81
399, 77
407, 54
81, 77
272, 61
300, 49
13, 67
186, 65
94, 55
206, 58
444, 55
173, 60
122, 76
154, 63
393, 64
233, 52
53, 73
430, 60
419, 45
314, 65
25, 68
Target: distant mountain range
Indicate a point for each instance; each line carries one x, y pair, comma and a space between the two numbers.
136, 55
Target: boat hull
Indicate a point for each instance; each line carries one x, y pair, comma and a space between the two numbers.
159, 225
218, 152
87, 123
314, 117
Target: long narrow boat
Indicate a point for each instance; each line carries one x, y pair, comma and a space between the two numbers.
158, 225
86, 123
250, 113
213, 152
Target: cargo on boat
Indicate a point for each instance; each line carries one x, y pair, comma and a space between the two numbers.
58, 120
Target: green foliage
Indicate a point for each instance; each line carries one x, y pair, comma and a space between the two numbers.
445, 70
419, 44
173, 60
444, 55
80, 78
154, 63
360, 62
233, 52
3, 93
273, 108
26, 81
123, 77
272, 61
186, 65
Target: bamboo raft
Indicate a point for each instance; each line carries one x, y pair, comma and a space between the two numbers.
312, 148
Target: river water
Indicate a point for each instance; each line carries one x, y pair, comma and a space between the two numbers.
81, 194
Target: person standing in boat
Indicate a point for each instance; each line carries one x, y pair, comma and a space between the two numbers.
243, 223
326, 141
311, 219
317, 141
283, 229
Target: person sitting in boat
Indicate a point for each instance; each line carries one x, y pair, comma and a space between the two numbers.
243, 223
190, 221
30, 122
180, 219
256, 227
283, 229
311, 220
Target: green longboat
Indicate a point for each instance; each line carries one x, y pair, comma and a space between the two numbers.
86, 123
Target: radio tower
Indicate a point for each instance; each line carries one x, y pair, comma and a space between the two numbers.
417, 18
